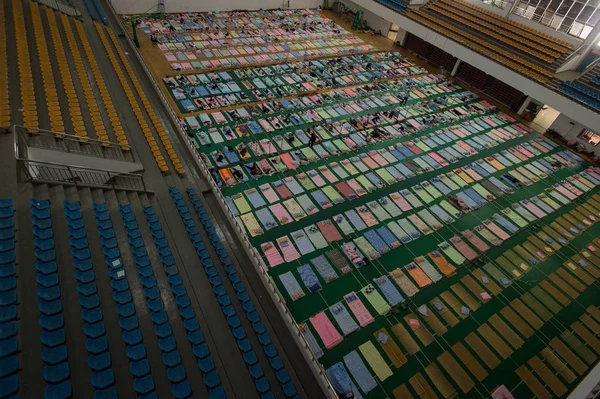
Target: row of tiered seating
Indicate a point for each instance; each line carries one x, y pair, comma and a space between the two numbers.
547, 45
4, 96
50, 93
162, 134
171, 358
67, 79
100, 84
269, 349
206, 364
397, 5
511, 26
102, 376
263, 336
128, 321
28, 102
492, 51
260, 381
156, 152
462, 17
9, 346
158, 157
581, 93
56, 372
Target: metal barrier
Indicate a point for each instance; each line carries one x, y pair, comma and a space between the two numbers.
79, 176
253, 255
69, 143
61, 6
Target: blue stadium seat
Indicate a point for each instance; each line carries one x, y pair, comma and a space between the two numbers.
96, 345
63, 390
139, 368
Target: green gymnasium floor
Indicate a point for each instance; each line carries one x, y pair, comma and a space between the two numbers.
536, 332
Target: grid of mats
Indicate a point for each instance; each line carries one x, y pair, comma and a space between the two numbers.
207, 41
438, 256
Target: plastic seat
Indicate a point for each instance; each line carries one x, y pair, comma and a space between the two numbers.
253, 317
53, 356
83, 265
125, 310
144, 385
56, 374
250, 358
128, 323
50, 308
171, 359
259, 328
122, 297
85, 276
99, 362
108, 393
87, 288
63, 390
289, 389
243, 297
191, 325
224, 300
270, 351
51, 323
159, 317
200, 351
178, 290
283, 377
9, 347
133, 337
206, 365
196, 337
139, 368
233, 322
216, 393
94, 330
276, 363
177, 375
152, 293
48, 293
163, 331
262, 385
136, 353
8, 329
47, 269
167, 344
212, 380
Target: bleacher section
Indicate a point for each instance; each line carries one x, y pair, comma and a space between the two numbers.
133, 101
9, 346
74, 102
4, 94
397, 5
229, 310
585, 89
106, 102
28, 98
523, 49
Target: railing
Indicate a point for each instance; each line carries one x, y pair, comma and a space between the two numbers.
70, 143
240, 233
79, 176
61, 6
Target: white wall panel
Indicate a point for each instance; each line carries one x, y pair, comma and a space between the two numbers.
142, 6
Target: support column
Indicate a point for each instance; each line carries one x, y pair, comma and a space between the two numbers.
455, 68
524, 106
401, 37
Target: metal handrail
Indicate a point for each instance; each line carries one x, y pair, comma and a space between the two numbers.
71, 144
61, 6
80, 175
